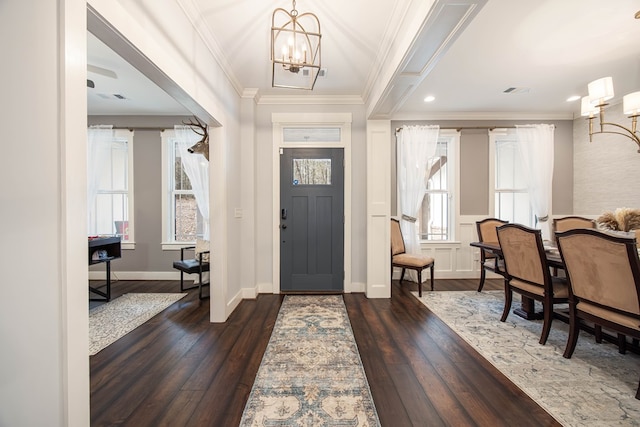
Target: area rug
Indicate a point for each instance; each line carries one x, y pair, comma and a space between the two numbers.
311, 373
118, 317
596, 387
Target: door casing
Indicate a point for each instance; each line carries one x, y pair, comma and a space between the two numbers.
281, 120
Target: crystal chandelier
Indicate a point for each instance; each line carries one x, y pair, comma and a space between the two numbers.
295, 49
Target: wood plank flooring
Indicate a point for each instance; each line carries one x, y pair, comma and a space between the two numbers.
178, 369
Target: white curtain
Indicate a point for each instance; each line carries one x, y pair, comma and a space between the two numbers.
416, 146
99, 140
536, 144
197, 169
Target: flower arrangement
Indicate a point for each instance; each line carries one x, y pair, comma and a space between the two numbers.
623, 219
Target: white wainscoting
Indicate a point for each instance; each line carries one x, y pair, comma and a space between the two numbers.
456, 260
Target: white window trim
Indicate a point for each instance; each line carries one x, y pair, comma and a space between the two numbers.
455, 203
494, 134
127, 135
167, 245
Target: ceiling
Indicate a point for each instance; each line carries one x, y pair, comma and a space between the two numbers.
547, 49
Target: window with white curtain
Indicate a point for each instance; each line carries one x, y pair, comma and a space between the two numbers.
111, 213
182, 221
436, 217
509, 188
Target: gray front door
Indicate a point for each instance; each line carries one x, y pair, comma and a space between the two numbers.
312, 220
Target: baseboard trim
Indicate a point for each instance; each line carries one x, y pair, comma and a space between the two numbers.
137, 275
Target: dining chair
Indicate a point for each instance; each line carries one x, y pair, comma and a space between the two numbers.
528, 272
603, 272
399, 258
572, 222
488, 260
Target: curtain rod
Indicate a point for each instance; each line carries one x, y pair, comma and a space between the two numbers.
132, 128
459, 128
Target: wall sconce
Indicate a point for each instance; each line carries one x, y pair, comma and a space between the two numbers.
295, 49
600, 91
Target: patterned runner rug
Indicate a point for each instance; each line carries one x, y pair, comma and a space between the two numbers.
311, 373
118, 317
596, 387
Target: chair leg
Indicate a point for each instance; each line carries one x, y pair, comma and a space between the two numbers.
574, 330
622, 344
597, 331
483, 274
181, 281
402, 275
432, 266
546, 323
419, 282
508, 296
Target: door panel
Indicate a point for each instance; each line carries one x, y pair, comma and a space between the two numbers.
312, 220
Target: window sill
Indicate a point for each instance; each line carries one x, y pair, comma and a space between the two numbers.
452, 243
173, 246
128, 245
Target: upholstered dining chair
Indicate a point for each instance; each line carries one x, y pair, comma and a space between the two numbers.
403, 260
572, 222
528, 272
603, 271
489, 261
567, 223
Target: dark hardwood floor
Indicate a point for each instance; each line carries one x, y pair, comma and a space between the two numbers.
178, 369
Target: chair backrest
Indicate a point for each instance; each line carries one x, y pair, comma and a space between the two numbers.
397, 241
523, 254
602, 268
572, 222
487, 229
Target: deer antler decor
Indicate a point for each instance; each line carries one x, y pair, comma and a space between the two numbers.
201, 146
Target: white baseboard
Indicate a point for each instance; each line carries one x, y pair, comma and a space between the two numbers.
358, 287
138, 275
249, 293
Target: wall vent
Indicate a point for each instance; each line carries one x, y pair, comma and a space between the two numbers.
517, 90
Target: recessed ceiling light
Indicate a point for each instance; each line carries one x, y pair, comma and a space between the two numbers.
573, 98
430, 98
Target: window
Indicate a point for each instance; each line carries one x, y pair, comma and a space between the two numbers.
436, 217
111, 212
510, 193
182, 221
311, 171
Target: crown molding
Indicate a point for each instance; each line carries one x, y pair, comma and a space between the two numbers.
310, 100
506, 115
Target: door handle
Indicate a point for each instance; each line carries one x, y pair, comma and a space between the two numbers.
283, 213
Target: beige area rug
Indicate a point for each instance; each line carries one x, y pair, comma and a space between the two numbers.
596, 387
311, 373
118, 317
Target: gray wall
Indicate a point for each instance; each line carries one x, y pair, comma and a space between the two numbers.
147, 177
607, 170
474, 163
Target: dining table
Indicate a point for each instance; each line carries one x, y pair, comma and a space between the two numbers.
527, 305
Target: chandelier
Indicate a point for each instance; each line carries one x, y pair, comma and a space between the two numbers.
600, 91
295, 49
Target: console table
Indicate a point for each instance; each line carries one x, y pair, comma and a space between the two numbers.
103, 249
